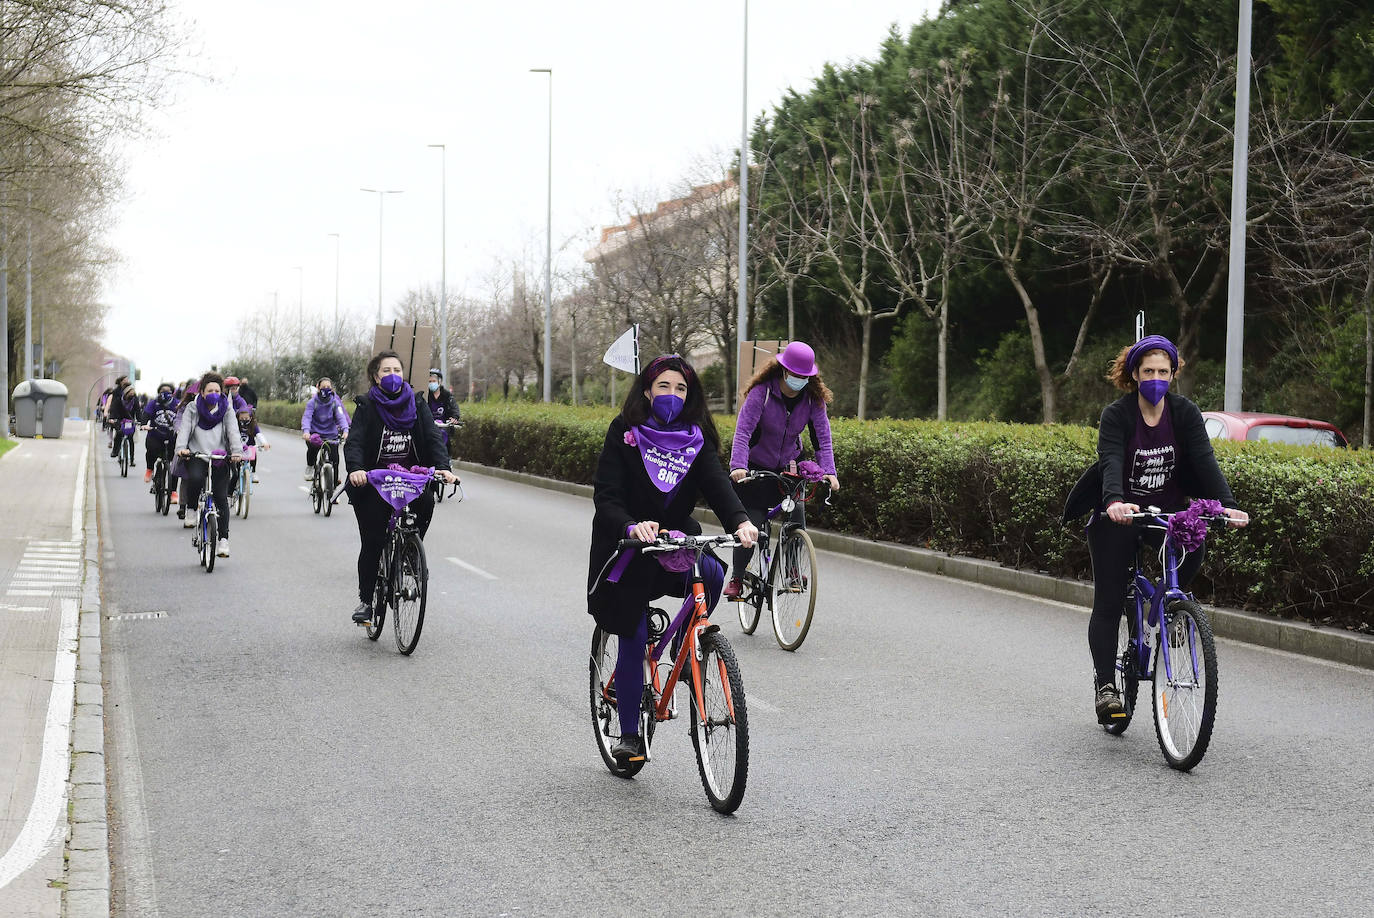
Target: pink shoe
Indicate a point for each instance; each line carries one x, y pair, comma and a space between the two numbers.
732, 590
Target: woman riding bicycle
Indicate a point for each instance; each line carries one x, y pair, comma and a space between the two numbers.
783, 399
660, 454
160, 417
324, 418
123, 406
391, 425
208, 425
1152, 450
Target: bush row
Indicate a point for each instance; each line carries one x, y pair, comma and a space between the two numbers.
997, 491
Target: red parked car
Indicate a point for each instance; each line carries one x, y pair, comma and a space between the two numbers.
1280, 428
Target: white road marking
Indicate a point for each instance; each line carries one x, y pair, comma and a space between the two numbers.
476, 570
46, 823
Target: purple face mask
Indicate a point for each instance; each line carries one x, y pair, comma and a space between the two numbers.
667, 408
1154, 390
392, 382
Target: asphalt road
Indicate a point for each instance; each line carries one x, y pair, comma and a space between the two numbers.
930, 750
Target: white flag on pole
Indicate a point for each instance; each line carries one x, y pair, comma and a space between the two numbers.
623, 354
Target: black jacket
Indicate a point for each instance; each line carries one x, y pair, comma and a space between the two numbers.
443, 399
1104, 481
625, 495
364, 441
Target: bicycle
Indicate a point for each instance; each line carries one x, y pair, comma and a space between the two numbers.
322, 482
205, 537
126, 446
1181, 663
704, 659
445, 427
785, 580
162, 479
243, 490
402, 571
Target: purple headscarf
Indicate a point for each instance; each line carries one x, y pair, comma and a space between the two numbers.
208, 415
1147, 344
398, 410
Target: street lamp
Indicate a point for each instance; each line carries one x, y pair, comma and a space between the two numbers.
742, 317
381, 196
443, 261
548, 254
1240, 156
336, 283
300, 306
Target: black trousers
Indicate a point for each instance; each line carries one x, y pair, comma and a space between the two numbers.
311, 451
1113, 550
372, 514
155, 445
758, 498
219, 490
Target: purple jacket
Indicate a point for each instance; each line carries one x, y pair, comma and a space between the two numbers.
779, 431
328, 419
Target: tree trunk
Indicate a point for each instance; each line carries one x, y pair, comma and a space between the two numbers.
1369, 352
791, 309
1048, 411
942, 364
573, 352
863, 364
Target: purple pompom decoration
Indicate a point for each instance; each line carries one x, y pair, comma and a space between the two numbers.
630, 438
810, 470
1188, 528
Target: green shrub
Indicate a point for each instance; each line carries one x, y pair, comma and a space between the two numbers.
997, 491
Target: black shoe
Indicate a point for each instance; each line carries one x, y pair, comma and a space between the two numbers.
363, 613
630, 748
1108, 704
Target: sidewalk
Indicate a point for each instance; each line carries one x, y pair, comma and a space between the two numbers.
53, 841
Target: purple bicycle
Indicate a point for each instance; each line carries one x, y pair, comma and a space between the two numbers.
782, 572
402, 573
1166, 638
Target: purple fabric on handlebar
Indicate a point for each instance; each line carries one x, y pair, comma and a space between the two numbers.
397, 486
1188, 528
126, 427
809, 470
677, 562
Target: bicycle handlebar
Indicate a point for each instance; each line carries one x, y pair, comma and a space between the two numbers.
788, 480
665, 542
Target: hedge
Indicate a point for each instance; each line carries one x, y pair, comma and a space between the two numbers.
997, 491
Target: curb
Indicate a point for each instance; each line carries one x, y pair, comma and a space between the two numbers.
1309, 640
87, 853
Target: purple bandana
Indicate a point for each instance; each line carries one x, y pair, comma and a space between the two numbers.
397, 486
397, 410
668, 455
1151, 343
210, 410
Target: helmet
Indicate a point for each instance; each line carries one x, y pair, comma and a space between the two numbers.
231, 380
436, 372
798, 358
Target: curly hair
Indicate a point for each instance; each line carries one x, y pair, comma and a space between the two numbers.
1118, 374
775, 370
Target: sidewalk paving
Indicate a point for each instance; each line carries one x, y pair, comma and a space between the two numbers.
53, 839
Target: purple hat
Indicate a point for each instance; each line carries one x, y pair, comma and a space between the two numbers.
1147, 344
799, 359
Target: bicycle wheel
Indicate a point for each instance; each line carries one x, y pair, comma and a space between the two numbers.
246, 488
605, 716
381, 595
752, 588
210, 540
238, 494
720, 733
411, 591
327, 489
124, 458
793, 585
161, 501
1186, 702
1127, 672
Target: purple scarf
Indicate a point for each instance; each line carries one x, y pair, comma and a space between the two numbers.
208, 417
668, 455
397, 411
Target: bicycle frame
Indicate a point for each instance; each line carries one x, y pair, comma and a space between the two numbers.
794, 492
1156, 595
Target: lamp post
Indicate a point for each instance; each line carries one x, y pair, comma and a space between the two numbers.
548, 254
381, 196
742, 284
443, 261
336, 283
1240, 156
300, 306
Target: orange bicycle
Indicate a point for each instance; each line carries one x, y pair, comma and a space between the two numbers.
703, 661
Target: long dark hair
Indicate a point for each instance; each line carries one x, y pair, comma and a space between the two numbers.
637, 408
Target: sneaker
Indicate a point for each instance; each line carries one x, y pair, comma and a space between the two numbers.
1108, 704
186, 521
309, 474
630, 748
732, 590
147, 476
255, 478
176, 501
223, 550
362, 614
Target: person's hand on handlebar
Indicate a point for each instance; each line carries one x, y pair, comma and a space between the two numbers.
357, 479
305, 435
833, 482
748, 534
738, 475
1120, 512
1236, 518
446, 476
184, 453
646, 531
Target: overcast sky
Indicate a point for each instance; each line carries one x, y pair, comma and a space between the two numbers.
307, 101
